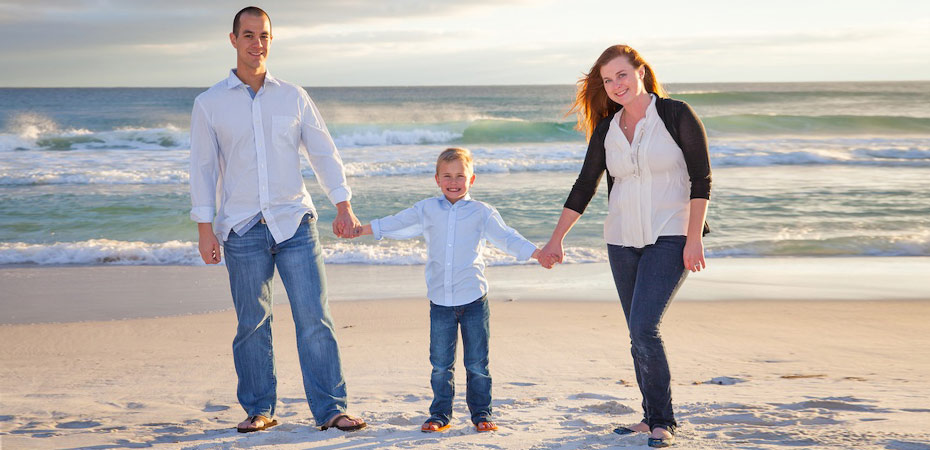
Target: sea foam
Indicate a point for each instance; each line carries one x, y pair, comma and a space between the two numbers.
112, 252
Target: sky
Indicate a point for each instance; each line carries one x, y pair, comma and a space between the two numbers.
464, 42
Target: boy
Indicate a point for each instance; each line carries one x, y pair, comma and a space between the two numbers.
455, 228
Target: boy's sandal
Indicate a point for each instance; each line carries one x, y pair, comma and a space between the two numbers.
431, 426
334, 423
255, 423
485, 426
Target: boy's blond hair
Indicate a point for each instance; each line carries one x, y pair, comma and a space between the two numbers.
456, 154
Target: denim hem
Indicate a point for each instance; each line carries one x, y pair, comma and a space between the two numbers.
670, 427
482, 418
442, 421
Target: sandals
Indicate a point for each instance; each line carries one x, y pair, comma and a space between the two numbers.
661, 442
334, 423
623, 431
256, 423
432, 426
482, 427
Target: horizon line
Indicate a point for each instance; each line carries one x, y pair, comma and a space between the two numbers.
669, 83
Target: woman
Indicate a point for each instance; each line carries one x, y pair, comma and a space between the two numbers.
654, 151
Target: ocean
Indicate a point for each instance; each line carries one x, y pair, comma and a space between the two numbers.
99, 176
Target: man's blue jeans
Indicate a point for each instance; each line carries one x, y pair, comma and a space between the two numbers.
251, 260
647, 279
443, 337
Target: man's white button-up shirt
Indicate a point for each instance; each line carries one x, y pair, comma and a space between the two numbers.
455, 235
245, 156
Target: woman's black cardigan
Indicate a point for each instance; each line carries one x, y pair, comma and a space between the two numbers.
684, 127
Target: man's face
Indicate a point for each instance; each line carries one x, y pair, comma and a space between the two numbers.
253, 42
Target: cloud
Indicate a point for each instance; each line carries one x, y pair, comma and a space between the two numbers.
377, 42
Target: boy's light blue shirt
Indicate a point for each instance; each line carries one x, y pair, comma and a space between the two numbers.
455, 236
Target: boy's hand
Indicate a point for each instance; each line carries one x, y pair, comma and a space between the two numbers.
359, 231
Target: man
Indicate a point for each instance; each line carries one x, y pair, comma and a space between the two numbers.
246, 134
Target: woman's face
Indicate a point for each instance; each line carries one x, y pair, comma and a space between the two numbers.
622, 81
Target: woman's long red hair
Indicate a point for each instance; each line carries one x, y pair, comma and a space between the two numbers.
591, 102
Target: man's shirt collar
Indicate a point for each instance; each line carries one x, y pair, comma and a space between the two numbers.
233, 81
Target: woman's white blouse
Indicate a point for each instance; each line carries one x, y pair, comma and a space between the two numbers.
651, 191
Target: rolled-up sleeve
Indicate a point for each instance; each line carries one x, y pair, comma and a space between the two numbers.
506, 238
204, 166
321, 151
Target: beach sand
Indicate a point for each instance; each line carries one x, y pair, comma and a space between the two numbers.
770, 370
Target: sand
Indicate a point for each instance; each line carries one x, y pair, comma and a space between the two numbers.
756, 373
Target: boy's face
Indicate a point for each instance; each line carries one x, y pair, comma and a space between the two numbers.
454, 179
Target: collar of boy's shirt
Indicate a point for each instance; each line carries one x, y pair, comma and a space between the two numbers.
445, 202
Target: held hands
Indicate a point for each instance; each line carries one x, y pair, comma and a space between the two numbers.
693, 255
346, 225
550, 254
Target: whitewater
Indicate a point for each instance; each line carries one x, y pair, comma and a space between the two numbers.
99, 176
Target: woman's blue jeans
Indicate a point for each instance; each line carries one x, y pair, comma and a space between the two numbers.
647, 279
443, 337
251, 260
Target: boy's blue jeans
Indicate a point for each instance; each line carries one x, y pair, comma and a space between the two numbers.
443, 337
251, 260
647, 279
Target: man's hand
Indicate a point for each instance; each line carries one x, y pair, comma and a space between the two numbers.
208, 245
346, 225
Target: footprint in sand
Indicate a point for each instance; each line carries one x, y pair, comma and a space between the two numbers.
78, 424
401, 421
906, 445
836, 404
210, 407
611, 407
410, 398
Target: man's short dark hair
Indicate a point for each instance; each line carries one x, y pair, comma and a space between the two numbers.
252, 11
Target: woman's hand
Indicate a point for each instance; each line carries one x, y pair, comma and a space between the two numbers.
551, 253
693, 255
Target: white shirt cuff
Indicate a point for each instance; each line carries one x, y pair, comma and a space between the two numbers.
339, 195
376, 229
203, 214
526, 252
